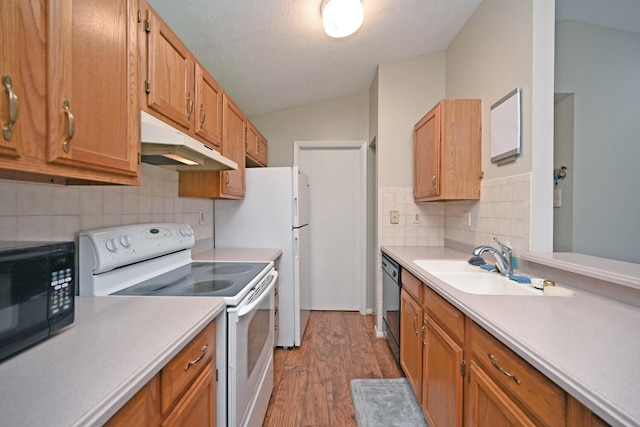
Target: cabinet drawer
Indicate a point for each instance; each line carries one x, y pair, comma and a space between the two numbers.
412, 285
535, 392
176, 376
449, 317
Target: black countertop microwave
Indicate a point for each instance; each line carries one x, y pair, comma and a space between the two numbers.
37, 288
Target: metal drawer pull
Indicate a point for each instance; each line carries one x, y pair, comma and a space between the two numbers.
415, 328
494, 362
72, 125
189, 106
433, 181
13, 108
424, 336
203, 115
193, 362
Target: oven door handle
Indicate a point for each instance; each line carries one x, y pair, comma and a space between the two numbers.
245, 309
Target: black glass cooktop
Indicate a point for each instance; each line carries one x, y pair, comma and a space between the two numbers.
220, 279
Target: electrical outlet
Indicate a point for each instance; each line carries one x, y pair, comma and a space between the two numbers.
466, 218
416, 218
395, 217
201, 217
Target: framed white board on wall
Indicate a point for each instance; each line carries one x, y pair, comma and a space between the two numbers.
506, 129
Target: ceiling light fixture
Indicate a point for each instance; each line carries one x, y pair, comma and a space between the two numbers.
341, 18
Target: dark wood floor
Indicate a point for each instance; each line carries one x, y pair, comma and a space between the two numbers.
312, 382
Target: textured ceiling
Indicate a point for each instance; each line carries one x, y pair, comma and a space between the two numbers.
270, 55
273, 54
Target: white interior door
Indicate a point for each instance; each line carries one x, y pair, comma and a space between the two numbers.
337, 180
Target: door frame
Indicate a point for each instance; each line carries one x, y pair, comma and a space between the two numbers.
361, 256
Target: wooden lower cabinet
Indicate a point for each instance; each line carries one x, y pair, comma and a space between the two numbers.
411, 341
489, 405
463, 376
442, 381
183, 393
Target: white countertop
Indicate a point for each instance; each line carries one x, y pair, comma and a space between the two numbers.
587, 344
86, 372
235, 254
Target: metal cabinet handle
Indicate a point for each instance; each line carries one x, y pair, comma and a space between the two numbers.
199, 358
424, 336
189, 106
226, 180
433, 181
415, 328
494, 362
203, 115
71, 129
13, 108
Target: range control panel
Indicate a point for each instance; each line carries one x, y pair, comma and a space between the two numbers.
109, 248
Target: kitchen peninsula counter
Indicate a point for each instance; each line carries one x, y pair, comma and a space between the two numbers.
587, 344
88, 371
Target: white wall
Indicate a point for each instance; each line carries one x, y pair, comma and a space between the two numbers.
508, 44
407, 89
345, 118
602, 68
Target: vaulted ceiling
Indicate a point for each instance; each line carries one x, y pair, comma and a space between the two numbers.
270, 55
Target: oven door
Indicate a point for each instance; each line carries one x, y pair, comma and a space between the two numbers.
250, 354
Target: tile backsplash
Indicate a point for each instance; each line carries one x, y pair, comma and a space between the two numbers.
34, 211
504, 211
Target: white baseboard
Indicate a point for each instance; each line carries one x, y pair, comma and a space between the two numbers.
379, 333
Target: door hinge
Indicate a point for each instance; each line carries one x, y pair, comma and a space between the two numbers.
147, 86
147, 26
139, 15
463, 368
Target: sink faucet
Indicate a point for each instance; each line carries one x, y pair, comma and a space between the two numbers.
503, 257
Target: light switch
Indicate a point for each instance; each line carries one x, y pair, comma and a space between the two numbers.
416, 218
395, 217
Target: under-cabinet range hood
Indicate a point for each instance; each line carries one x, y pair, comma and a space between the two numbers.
166, 146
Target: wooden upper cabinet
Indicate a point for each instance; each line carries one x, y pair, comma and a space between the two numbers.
252, 145
233, 147
92, 73
447, 145
71, 67
256, 147
11, 94
170, 65
208, 104
263, 151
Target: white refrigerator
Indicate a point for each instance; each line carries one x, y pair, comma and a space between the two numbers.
274, 214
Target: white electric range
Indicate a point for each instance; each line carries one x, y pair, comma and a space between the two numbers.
155, 260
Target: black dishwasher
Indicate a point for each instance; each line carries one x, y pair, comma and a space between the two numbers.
391, 304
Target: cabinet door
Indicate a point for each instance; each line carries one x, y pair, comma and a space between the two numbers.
233, 147
198, 406
263, 151
253, 142
489, 406
10, 33
426, 155
411, 341
442, 381
92, 73
170, 73
208, 122
142, 410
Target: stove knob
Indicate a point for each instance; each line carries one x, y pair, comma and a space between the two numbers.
111, 245
125, 241
189, 231
183, 232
